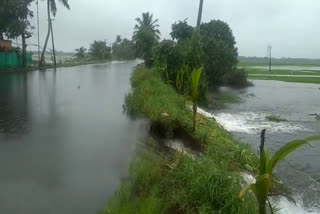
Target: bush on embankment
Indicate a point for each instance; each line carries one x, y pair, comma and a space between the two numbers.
177, 183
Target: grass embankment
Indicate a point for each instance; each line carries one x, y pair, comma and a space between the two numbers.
281, 72
284, 75
177, 183
287, 79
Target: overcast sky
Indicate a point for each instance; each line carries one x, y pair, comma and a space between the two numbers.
291, 26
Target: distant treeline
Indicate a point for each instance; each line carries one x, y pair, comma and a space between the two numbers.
122, 49
282, 61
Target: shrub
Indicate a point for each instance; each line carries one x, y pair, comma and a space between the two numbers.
236, 79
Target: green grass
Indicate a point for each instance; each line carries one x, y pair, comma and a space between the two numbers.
279, 71
266, 75
287, 79
284, 62
176, 183
275, 118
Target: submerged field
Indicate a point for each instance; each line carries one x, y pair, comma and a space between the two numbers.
286, 73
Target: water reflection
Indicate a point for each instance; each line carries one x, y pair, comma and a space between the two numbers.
64, 142
13, 105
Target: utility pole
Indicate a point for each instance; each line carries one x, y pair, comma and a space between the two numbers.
199, 14
38, 31
269, 53
53, 49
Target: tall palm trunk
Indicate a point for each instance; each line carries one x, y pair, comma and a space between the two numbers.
24, 50
48, 34
199, 14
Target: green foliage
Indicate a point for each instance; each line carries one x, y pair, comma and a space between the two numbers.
263, 182
99, 50
236, 79
152, 97
169, 55
53, 5
81, 53
180, 79
14, 16
275, 118
220, 53
195, 80
149, 24
205, 186
181, 31
177, 183
145, 37
123, 49
185, 55
288, 79
141, 194
194, 55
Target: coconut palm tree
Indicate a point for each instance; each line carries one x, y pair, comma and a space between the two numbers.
148, 23
199, 14
145, 36
51, 8
81, 53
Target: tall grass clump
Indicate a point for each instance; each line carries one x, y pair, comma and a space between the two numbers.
141, 193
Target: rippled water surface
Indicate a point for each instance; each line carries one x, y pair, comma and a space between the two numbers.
64, 142
294, 102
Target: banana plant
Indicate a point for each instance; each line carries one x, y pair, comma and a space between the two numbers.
195, 80
180, 78
263, 182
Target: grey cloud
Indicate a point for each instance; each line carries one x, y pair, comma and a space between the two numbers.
290, 26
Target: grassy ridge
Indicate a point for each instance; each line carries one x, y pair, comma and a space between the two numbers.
264, 74
288, 79
177, 183
280, 71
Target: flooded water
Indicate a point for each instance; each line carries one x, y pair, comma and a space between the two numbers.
64, 142
294, 102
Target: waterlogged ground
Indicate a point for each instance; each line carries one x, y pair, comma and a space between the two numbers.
291, 101
64, 142
287, 67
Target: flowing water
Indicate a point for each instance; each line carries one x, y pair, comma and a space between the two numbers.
64, 142
294, 102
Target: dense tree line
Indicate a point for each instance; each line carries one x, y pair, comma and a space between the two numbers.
121, 49
212, 47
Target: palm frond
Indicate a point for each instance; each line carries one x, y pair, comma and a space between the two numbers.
287, 149
195, 78
53, 7
65, 3
245, 189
